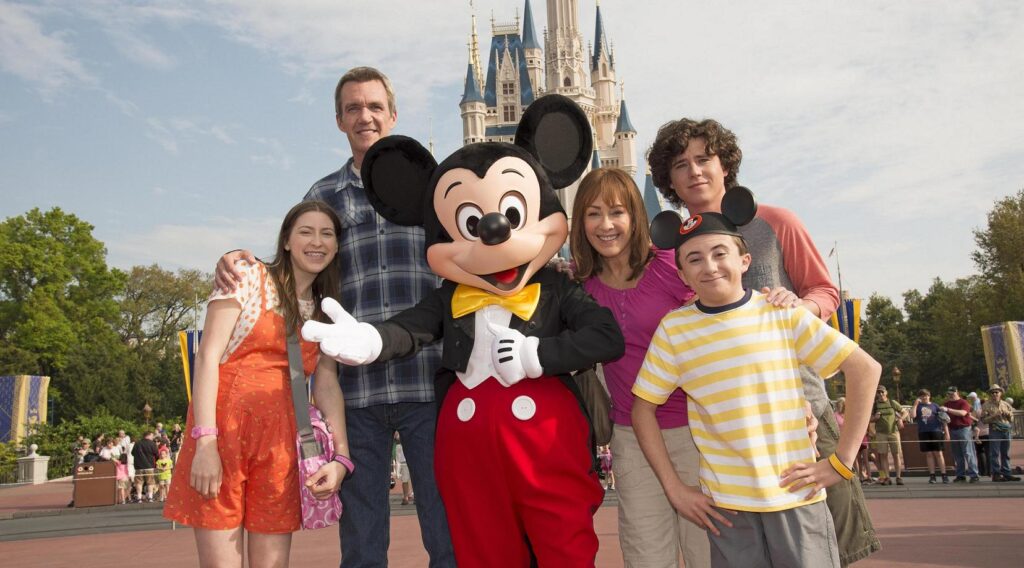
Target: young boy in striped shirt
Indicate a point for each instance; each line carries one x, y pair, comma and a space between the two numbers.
737, 356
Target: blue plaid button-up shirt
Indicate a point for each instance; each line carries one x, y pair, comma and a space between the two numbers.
383, 271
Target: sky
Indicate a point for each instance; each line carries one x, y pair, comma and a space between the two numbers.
184, 129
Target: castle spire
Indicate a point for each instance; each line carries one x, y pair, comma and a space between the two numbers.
529, 38
471, 93
600, 42
474, 53
624, 124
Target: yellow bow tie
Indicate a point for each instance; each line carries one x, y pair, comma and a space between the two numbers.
468, 299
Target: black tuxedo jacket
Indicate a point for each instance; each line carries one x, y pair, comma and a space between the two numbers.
575, 333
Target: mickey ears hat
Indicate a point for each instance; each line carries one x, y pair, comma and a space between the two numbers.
669, 230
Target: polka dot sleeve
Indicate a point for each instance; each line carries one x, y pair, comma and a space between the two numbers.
248, 296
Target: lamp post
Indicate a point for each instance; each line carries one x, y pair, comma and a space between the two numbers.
147, 413
896, 374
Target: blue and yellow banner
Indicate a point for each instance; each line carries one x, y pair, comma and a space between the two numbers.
1004, 353
846, 319
189, 341
22, 403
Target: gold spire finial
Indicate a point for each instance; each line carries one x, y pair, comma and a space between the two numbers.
474, 49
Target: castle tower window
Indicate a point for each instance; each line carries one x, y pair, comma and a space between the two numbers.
508, 113
508, 89
567, 82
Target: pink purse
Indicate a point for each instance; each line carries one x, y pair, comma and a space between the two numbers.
317, 514
314, 444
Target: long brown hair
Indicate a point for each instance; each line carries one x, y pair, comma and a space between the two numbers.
612, 186
326, 284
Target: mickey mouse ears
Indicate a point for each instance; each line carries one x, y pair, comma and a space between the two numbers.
395, 171
555, 131
668, 230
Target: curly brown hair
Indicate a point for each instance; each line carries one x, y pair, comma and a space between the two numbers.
673, 138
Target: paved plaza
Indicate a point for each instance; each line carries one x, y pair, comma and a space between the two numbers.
920, 525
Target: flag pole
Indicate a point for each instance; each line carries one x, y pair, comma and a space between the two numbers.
842, 315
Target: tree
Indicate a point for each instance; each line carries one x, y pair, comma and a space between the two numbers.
943, 330
155, 306
1000, 256
56, 290
157, 303
883, 336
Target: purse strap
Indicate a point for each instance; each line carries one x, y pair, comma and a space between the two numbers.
308, 443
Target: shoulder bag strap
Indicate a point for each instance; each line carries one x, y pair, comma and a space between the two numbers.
308, 443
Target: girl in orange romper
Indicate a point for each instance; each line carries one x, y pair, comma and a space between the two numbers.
238, 468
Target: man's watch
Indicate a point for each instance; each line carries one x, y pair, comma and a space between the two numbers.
200, 431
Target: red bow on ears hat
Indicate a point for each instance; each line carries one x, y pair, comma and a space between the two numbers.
669, 230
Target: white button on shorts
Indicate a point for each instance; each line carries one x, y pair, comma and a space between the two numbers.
523, 407
466, 410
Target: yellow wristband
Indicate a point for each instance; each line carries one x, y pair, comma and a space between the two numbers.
840, 467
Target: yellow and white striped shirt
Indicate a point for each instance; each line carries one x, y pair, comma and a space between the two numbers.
739, 367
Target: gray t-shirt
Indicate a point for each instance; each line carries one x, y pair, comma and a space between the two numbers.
768, 269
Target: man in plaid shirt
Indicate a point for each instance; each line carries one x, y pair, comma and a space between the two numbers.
384, 271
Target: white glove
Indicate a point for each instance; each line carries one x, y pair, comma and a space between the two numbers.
347, 341
514, 355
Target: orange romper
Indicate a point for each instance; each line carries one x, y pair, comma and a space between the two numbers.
256, 420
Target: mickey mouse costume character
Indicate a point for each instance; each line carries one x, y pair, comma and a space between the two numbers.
514, 454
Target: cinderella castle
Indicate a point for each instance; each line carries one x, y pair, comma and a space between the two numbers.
520, 70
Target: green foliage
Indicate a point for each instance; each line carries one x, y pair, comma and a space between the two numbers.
936, 340
943, 332
1000, 255
107, 339
883, 336
155, 306
55, 290
58, 440
1017, 394
8, 462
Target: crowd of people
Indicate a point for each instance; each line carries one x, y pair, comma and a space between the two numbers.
975, 430
143, 467
726, 449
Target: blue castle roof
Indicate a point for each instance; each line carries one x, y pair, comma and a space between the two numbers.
600, 44
529, 37
471, 94
515, 48
501, 130
652, 201
595, 162
624, 125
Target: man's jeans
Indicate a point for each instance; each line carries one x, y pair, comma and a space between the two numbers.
999, 452
963, 452
366, 520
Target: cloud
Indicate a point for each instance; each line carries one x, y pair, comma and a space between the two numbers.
316, 40
126, 107
167, 131
47, 61
890, 127
277, 156
175, 246
132, 27
303, 97
162, 135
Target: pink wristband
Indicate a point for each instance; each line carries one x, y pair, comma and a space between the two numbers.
200, 431
347, 463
